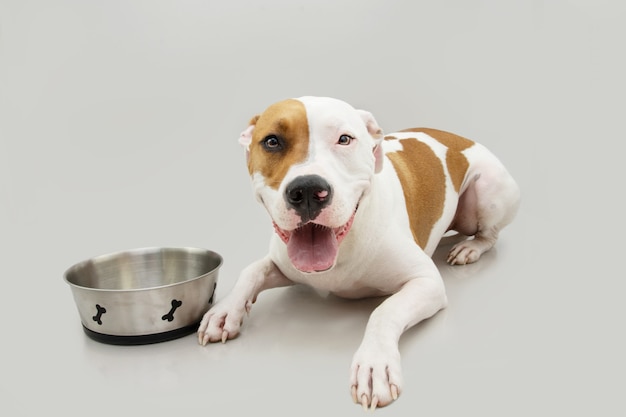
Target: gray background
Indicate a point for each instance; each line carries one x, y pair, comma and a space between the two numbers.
118, 129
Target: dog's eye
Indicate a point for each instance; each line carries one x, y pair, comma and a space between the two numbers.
344, 140
272, 143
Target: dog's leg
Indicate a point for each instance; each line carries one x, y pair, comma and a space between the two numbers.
375, 375
489, 204
223, 321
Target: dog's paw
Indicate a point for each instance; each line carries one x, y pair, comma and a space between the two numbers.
375, 376
464, 253
223, 321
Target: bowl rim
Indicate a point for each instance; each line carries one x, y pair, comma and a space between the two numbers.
141, 251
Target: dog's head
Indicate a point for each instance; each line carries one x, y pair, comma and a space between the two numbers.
311, 161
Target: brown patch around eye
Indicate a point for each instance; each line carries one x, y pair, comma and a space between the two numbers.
287, 120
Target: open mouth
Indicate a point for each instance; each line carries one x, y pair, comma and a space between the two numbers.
314, 247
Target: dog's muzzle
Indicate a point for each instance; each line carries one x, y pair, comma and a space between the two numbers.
308, 195
311, 246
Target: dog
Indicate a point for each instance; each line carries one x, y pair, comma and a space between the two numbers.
359, 214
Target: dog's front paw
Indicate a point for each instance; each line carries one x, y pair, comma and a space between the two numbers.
375, 376
223, 321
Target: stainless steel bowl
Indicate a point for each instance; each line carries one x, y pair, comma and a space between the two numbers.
144, 295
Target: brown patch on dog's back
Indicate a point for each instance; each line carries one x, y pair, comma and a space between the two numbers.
423, 180
457, 162
287, 120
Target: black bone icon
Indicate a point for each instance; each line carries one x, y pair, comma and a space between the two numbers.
170, 316
99, 312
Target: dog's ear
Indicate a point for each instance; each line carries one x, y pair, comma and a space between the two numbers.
377, 134
246, 136
254, 120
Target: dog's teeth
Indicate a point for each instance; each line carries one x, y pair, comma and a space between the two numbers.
224, 336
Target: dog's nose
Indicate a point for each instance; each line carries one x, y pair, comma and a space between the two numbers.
308, 195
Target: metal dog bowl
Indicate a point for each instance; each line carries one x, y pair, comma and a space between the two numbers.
144, 295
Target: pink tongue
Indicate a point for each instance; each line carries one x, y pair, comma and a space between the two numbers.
312, 248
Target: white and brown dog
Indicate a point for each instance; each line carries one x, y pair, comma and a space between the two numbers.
359, 214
